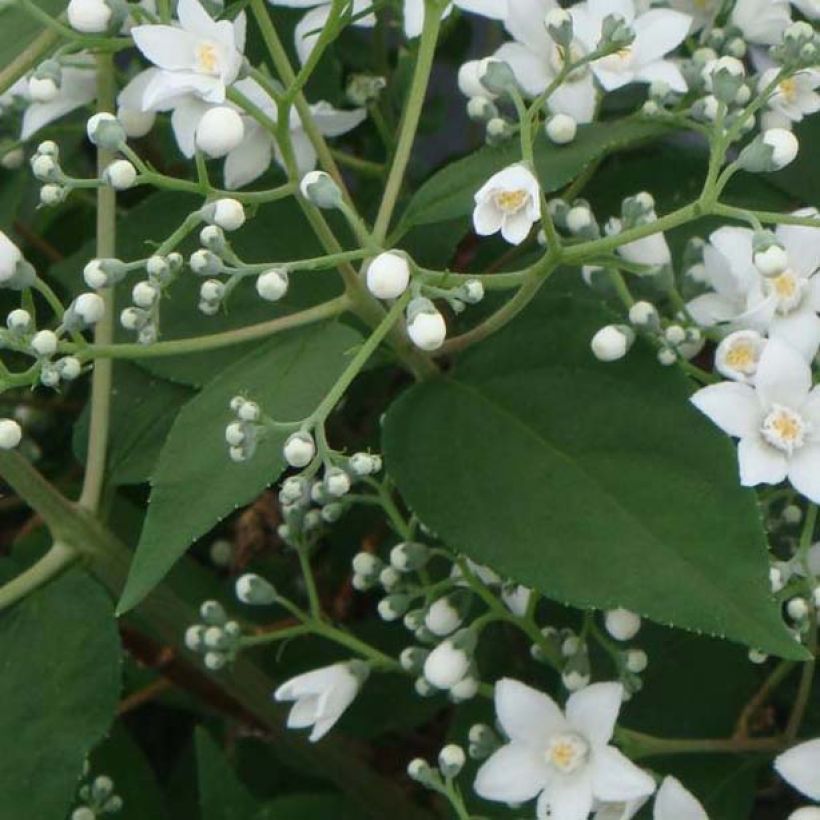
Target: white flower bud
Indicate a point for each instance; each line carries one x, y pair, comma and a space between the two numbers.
792, 514
43, 89
636, 661
89, 307
94, 275
364, 464
337, 482
773, 261
132, 318
52, 194
105, 130
451, 760
427, 330
69, 368
365, 563
667, 357
219, 131
83, 813
675, 335
643, 314
228, 214
272, 285
205, 263
389, 578
797, 608
89, 16
134, 123
776, 579
442, 618
419, 770
18, 321
465, 689
318, 188
212, 290
757, 657
44, 343
622, 624
120, 175
299, 449
144, 294
561, 129
612, 342
234, 434
469, 81
255, 590
10, 434
44, 167
446, 665
575, 680
388, 275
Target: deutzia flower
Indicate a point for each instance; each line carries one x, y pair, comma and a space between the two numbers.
657, 32
322, 696
800, 767
738, 355
201, 56
796, 96
536, 59
777, 420
761, 21
78, 88
414, 12
309, 28
508, 202
563, 758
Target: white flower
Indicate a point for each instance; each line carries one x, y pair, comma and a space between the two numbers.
738, 355
414, 12
309, 28
536, 60
10, 257
564, 759
800, 767
508, 202
200, 56
78, 88
784, 306
674, 802
657, 32
761, 21
322, 696
796, 96
253, 156
777, 420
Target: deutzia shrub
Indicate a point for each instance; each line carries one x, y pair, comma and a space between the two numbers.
410, 409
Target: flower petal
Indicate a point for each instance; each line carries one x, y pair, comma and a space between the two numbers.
513, 774
657, 32
567, 798
800, 767
519, 23
783, 375
802, 244
734, 407
800, 329
663, 71
760, 463
616, 777
674, 802
531, 70
527, 715
594, 710
249, 160
804, 475
168, 47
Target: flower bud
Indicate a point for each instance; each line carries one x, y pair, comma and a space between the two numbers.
43, 89
443, 617
772, 261
363, 89
392, 607
18, 321
365, 563
469, 81
86, 310
496, 76
225, 213
561, 129
69, 368
219, 131
797, 608
771, 151
89, 16
44, 343
144, 294
622, 624
465, 689
364, 464
612, 342
52, 194
105, 131
643, 314
205, 263
636, 661
320, 190
448, 663
45, 168
558, 23
425, 325
299, 449
120, 175
480, 109
388, 275
336, 482
254, 590
409, 557
11, 434
272, 285
451, 760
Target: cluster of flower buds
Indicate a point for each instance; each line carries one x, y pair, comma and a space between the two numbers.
45, 165
143, 316
471, 292
105, 131
574, 218
623, 625
451, 760
97, 798
364, 89
216, 638
482, 100
243, 433
800, 47
308, 503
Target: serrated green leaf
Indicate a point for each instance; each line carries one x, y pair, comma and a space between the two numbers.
195, 484
598, 484
59, 685
449, 193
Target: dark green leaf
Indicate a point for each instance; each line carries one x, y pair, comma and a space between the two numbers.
598, 484
221, 795
59, 684
18, 29
195, 484
449, 193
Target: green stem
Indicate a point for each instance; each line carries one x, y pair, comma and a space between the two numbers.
639, 745
314, 601
58, 558
104, 331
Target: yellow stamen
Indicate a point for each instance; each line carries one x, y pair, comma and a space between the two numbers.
207, 58
511, 201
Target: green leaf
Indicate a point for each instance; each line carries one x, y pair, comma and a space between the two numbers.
598, 484
221, 795
311, 807
195, 484
59, 685
143, 408
449, 193
18, 29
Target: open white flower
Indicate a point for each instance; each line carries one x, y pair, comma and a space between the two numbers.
200, 56
414, 12
322, 696
309, 28
78, 88
508, 202
796, 96
777, 420
564, 759
762, 22
535, 60
800, 767
657, 32
738, 355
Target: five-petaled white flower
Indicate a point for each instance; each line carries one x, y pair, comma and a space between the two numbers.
200, 56
536, 60
510, 202
414, 12
657, 32
777, 420
785, 306
564, 759
322, 696
794, 97
309, 28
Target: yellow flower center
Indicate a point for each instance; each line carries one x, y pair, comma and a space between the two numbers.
511, 201
788, 88
742, 356
567, 752
785, 429
788, 289
207, 58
